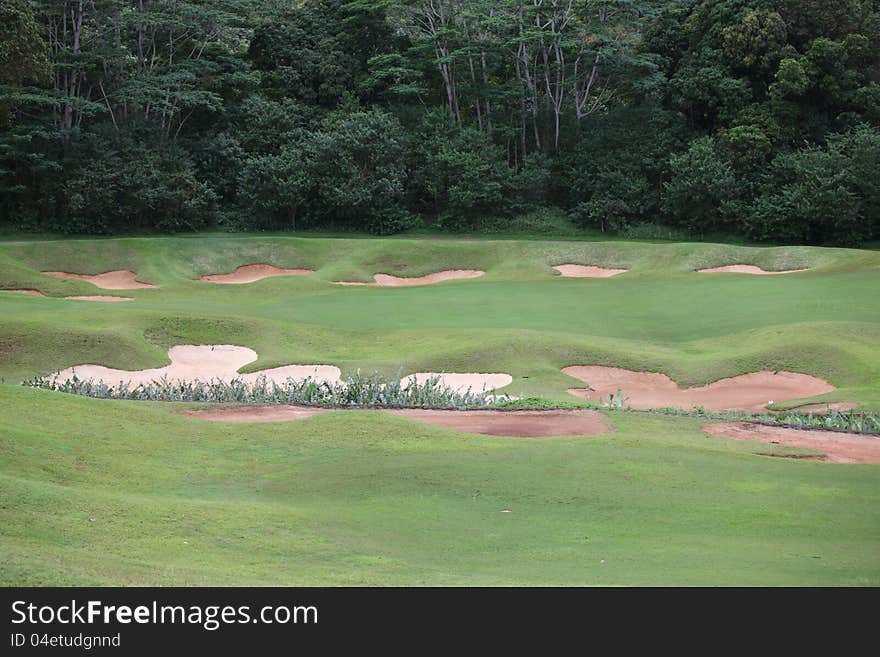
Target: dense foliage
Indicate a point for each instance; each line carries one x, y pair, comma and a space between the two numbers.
757, 117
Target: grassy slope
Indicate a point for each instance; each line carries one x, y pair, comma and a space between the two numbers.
520, 318
363, 498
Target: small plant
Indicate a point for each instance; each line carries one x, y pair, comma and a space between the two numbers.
358, 390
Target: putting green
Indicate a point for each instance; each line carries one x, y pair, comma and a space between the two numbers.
364, 498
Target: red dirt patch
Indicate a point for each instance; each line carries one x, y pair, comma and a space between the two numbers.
524, 424
837, 447
746, 269
748, 392
583, 271
121, 279
252, 273
386, 280
274, 413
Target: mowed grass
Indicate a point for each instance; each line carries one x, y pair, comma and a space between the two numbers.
105, 492
98, 492
520, 318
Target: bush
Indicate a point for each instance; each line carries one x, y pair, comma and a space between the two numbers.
704, 193
125, 184
822, 195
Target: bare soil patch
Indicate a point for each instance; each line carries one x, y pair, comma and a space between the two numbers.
121, 279
584, 271
252, 273
386, 280
274, 413
644, 390
746, 269
203, 362
524, 424
837, 447
460, 382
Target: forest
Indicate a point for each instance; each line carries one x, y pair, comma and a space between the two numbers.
754, 118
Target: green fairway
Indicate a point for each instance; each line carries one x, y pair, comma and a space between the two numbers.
365, 498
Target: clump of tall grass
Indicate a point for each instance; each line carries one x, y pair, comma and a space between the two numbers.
357, 390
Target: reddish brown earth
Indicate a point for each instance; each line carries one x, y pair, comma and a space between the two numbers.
746, 269
524, 424
273, 413
583, 271
251, 273
386, 280
837, 447
121, 279
748, 392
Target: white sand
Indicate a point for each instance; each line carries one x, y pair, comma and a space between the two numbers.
203, 362
460, 382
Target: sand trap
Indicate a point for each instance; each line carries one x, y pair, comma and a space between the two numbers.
836, 446
386, 280
273, 413
477, 382
121, 279
526, 424
748, 392
203, 362
251, 273
34, 293
583, 271
746, 269
102, 299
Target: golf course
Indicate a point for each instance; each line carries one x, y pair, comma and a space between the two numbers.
139, 492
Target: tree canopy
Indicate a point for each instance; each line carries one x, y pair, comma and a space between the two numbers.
756, 117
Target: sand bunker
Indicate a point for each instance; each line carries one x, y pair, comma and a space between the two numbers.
583, 271
251, 273
386, 280
203, 362
34, 293
837, 447
103, 299
121, 279
746, 269
461, 382
748, 392
273, 413
526, 424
